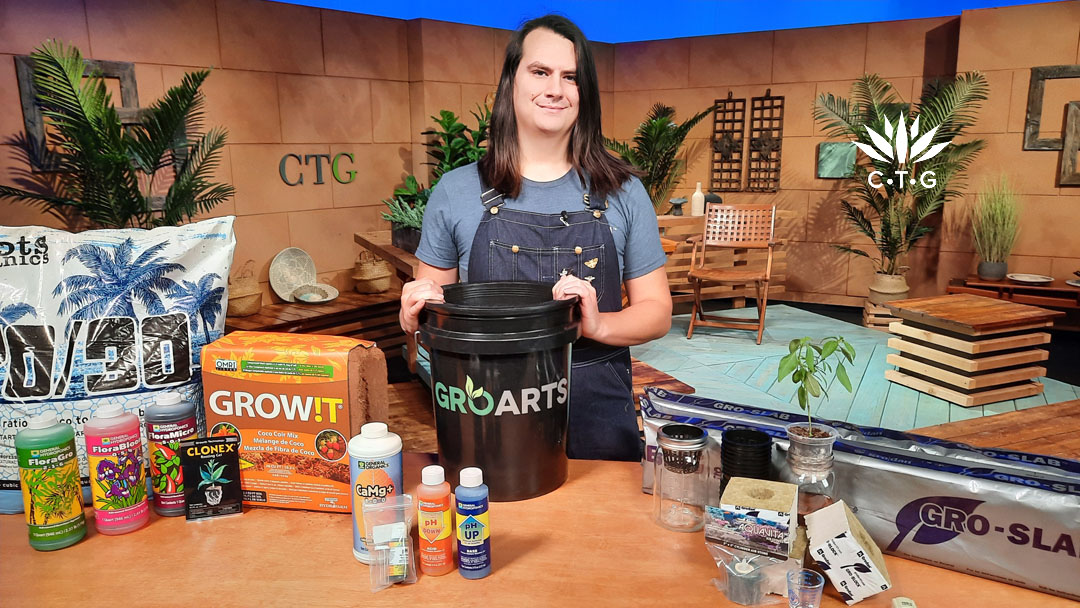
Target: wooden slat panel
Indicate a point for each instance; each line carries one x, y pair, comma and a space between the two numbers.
966, 382
990, 396
975, 347
970, 365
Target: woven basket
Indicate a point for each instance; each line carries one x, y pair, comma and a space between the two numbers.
245, 297
372, 274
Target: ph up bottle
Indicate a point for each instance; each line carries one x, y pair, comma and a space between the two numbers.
114, 450
473, 529
49, 478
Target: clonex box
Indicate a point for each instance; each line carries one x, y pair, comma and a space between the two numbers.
294, 400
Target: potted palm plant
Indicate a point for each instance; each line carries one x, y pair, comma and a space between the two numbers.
995, 222
656, 151
109, 170
911, 164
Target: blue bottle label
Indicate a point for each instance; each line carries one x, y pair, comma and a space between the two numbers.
473, 535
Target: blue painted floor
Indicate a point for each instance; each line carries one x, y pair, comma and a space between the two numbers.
726, 364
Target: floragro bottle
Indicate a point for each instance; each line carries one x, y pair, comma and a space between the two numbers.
375, 472
49, 477
433, 506
473, 529
168, 422
114, 451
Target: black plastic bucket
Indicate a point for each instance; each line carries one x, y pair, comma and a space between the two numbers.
500, 380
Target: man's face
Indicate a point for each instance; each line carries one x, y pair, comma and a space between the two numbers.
545, 86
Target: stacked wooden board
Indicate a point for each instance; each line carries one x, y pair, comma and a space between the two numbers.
877, 316
969, 350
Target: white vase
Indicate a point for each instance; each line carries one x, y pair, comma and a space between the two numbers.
697, 201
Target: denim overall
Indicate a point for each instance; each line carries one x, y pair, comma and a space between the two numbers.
516, 245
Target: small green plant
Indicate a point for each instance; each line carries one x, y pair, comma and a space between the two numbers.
808, 365
655, 150
452, 145
211, 474
995, 222
408, 204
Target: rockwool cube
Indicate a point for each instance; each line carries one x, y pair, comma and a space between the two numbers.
294, 400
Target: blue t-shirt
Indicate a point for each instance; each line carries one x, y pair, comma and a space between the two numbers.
454, 210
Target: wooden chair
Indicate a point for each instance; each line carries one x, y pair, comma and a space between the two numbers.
737, 227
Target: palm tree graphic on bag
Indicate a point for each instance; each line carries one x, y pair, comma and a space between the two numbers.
201, 301
116, 281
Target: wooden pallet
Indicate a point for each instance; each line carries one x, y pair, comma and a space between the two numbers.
968, 350
877, 317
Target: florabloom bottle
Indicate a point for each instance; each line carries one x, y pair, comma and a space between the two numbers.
49, 477
114, 449
473, 528
168, 422
433, 507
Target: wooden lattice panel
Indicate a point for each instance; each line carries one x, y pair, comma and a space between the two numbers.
739, 225
729, 126
766, 139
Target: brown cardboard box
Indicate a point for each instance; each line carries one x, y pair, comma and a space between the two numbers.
295, 400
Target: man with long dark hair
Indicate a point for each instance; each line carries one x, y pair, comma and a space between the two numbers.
556, 207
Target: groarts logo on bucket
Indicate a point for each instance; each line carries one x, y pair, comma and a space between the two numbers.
937, 519
474, 399
893, 147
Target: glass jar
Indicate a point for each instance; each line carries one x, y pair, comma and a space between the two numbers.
680, 476
810, 466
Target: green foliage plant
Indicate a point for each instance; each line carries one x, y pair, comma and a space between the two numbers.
211, 474
109, 169
808, 364
995, 221
450, 145
877, 119
656, 150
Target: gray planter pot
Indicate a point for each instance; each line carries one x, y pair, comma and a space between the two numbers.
992, 271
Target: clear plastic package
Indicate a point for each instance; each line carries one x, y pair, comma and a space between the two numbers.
742, 575
387, 531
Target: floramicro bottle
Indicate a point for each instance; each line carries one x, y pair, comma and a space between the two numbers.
169, 421
436, 526
114, 451
49, 477
375, 473
473, 529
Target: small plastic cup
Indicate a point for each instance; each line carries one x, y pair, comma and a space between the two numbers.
804, 588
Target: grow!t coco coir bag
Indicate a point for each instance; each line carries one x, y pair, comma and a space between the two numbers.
294, 400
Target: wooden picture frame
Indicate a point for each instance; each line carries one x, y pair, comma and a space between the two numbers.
1039, 76
33, 120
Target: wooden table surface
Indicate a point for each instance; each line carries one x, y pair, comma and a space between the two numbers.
592, 542
970, 314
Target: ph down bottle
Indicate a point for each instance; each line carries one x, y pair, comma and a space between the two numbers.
435, 522
49, 479
473, 529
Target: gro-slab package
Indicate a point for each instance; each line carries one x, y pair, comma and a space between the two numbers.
103, 316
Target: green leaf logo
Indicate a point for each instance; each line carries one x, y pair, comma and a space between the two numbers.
474, 392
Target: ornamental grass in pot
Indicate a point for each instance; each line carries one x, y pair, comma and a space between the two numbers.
995, 223
810, 445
